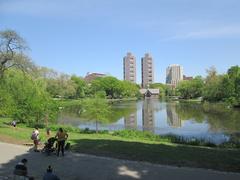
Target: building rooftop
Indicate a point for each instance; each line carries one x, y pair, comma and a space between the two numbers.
92, 76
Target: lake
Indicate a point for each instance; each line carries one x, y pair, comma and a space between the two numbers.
210, 122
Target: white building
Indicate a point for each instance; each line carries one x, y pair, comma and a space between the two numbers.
174, 74
129, 68
147, 70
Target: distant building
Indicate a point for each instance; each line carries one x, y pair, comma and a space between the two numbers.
147, 70
129, 68
154, 93
174, 74
187, 78
92, 76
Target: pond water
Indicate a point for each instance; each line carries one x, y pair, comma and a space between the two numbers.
210, 122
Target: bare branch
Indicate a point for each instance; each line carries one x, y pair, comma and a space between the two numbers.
11, 48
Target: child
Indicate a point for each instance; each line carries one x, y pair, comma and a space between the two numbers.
35, 138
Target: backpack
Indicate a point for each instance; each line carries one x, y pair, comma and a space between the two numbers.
33, 136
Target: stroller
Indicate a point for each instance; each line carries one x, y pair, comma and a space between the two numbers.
49, 146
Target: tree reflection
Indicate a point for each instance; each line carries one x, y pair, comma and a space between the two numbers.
190, 111
118, 111
218, 116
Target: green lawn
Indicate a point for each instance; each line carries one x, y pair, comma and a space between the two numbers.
138, 149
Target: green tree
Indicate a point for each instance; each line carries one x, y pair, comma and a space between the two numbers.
80, 85
97, 110
226, 88
114, 88
7, 103
212, 88
191, 88
234, 80
129, 89
61, 86
27, 98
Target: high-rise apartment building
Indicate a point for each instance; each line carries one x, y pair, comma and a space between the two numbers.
174, 75
147, 70
129, 68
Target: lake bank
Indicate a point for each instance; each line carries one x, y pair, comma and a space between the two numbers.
213, 123
136, 148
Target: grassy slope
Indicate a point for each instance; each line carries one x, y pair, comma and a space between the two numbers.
137, 149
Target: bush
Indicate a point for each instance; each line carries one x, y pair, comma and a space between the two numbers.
36, 125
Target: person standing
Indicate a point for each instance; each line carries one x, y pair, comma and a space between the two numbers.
35, 138
61, 138
48, 131
14, 123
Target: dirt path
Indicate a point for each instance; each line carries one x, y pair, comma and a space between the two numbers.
79, 166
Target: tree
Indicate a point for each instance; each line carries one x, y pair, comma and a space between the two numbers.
128, 89
234, 80
7, 104
80, 85
61, 86
25, 98
212, 88
233, 72
11, 50
112, 86
226, 88
191, 88
211, 74
97, 109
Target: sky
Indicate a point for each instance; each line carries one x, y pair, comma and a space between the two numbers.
80, 36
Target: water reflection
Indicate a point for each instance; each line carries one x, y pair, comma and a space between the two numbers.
173, 118
205, 121
130, 122
148, 115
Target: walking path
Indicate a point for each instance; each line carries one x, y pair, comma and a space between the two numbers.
87, 167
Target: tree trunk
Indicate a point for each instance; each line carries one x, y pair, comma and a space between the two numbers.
97, 127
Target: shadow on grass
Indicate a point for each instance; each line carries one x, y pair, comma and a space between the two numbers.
178, 155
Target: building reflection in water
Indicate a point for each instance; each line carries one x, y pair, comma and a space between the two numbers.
130, 122
172, 117
148, 115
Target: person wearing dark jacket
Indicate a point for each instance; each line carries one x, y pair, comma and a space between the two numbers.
49, 175
21, 169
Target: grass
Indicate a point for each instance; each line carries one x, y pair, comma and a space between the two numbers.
177, 155
135, 146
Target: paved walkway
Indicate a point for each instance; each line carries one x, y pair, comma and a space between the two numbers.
86, 167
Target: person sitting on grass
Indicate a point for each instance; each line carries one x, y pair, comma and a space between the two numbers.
49, 174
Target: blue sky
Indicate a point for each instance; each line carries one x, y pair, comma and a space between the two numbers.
80, 36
